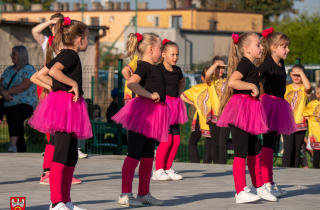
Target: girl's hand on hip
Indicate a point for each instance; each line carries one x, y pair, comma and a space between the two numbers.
255, 91
75, 89
155, 97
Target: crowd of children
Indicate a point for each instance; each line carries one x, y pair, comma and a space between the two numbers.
238, 104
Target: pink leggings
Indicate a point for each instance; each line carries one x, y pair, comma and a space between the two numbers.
166, 152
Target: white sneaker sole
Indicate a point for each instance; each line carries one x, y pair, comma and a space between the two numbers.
43, 183
269, 199
126, 205
176, 179
156, 179
247, 201
284, 193
83, 157
154, 204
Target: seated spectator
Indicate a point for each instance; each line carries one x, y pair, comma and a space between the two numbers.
113, 108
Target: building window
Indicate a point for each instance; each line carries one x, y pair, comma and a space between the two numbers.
176, 22
42, 20
213, 25
94, 21
111, 19
156, 21
23, 19
254, 24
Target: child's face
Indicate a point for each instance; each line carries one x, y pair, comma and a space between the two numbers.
255, 48
295, 75
218, 72
84, 42
156, 51
282, 51
171, 55
96, 113
318, 93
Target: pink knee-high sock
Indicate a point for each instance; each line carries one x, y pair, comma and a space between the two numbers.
128, 168
66, 183
56, 178
172, 152
48, 136
48, 156
265, 163
254, 167
271, 170
162, 152
239, 173
145, 170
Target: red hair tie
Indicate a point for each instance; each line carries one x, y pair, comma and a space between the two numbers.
165, 41
50, 40
139, 37
265, 33
235, 38
66, 22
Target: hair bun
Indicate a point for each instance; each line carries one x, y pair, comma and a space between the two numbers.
265, 33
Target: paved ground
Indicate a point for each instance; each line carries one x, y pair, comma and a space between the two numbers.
203, 187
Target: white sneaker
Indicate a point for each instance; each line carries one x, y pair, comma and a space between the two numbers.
60, 206
173, 175
246, 196
272, 190
275, 187
160, 175
12, 148
263, 193
73, 207
129, 201
149, 199
81, 154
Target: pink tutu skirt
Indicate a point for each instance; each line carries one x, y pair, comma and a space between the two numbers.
144, 116
178, 110
58, 113
246, 113
280, 115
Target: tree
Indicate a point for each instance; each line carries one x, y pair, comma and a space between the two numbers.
27, 3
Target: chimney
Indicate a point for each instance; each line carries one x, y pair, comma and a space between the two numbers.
142, 5
170, 4
19, 7
36, 7
126, 5
96, 6
117, 6
108, 5
7, 7
188, 3
57, 6
179, 4
65, 6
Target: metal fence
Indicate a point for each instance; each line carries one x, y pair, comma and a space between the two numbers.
108, 139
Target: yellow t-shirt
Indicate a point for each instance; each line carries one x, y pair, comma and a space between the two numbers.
132, 66
298, 100
215, 92
200, 96
312, 110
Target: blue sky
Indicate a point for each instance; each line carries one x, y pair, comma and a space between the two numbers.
308, 5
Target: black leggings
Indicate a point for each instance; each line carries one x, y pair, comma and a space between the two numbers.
16, 115
316, 158
270, 139
174, 129
140, 146
219, 139
292, 147
65, 148
193, 150
244, 143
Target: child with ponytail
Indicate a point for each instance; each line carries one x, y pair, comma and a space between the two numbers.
279, 112
242, 111
146, 117
63, 113
219, 136
175, 84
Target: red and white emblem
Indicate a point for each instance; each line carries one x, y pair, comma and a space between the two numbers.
18, 203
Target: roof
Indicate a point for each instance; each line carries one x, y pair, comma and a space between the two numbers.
213, 32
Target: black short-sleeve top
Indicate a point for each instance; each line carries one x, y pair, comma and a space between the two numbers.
71, 61
273, 77
172, 79
152, 79
250, 75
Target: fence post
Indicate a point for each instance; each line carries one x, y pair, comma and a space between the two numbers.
92, 90
298, 60
120, 95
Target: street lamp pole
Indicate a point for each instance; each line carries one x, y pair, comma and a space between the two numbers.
82, 10
136, 18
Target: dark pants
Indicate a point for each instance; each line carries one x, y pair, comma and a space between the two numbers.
219, 139
16, 115
193, 150
65, 149
140, 146
292, 147
316, 158
244, 143
270, 139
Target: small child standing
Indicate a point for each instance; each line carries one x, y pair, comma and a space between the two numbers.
297, 96
312, 112
175, 84
146, 117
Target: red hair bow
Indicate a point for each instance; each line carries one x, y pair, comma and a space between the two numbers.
50, 40
139, 37
66, 22
235, 38
165, 41
265, 33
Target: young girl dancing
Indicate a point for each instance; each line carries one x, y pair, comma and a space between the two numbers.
219, 136
242, 111
175, 84
198, 97
146, 117
279, 113
297, 96
63, 113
